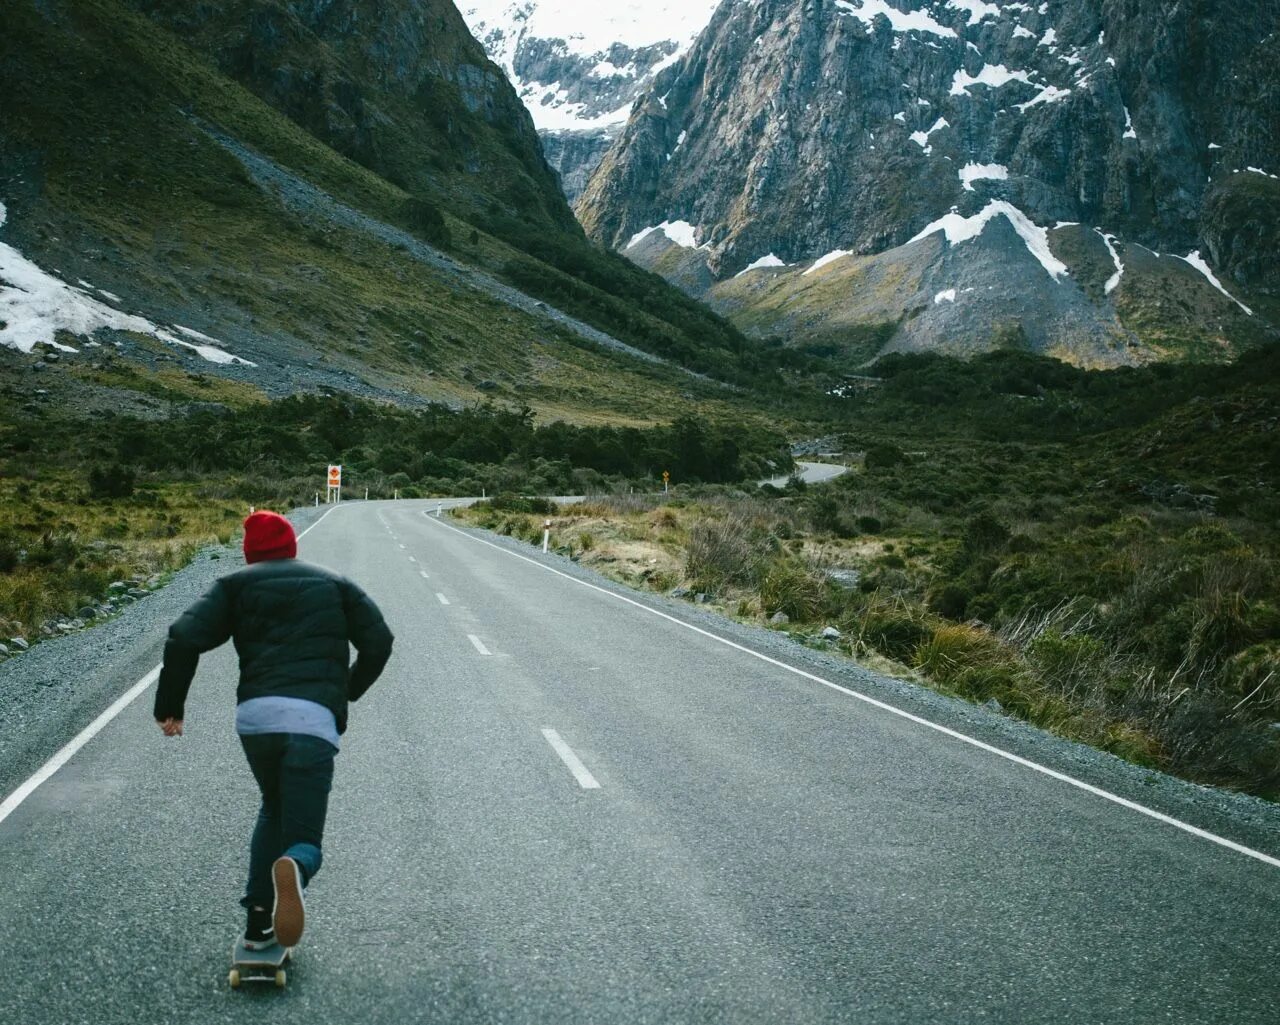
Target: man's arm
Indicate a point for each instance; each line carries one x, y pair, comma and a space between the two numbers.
370, 635
201, 628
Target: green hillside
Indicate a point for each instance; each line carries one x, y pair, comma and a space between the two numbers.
123, 163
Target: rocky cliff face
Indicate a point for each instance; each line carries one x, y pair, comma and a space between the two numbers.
400, 86
579, 68
985, 133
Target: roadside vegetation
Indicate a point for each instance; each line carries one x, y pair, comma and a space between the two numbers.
1118, 584
124, 500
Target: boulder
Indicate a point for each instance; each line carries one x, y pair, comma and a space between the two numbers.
830, 633
779, 619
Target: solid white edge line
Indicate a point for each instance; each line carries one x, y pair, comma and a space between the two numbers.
580, 771
479, 644
55, 763
10, 804
1026, 763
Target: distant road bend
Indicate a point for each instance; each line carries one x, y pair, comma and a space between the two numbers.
566, 802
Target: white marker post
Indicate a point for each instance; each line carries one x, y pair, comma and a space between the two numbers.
546, 536
317, 499
366, 494
439, 506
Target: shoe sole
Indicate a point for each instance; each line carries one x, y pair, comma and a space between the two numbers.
288, 915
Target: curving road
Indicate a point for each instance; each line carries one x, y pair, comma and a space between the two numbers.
810, 473
568, 803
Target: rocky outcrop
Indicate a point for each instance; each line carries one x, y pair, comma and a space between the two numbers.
794, 129
578, 70
399, 86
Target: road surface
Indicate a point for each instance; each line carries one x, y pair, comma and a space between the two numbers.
560, 806
810, 473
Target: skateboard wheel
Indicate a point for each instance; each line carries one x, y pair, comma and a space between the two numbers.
281, 978
234, 978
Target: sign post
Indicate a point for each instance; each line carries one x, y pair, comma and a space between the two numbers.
335, 484
666, 481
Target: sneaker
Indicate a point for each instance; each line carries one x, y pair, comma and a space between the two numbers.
288, 916
259, 933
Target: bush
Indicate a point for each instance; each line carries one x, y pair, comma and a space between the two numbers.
892, 629
950, 600
794, 590
720, 552
884, 456
955, 649
112, 482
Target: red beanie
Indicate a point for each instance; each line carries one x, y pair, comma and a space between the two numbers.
268, 535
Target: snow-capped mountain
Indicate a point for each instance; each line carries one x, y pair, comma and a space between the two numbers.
1097, 176
579, 65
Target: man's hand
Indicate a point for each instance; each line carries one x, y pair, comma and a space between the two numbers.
171, 727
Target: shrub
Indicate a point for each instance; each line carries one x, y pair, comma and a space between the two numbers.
955, 649
950, 600
892, 629
111, 482
720, 552
794, 590
884, 457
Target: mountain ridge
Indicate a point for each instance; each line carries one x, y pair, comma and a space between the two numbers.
797, 131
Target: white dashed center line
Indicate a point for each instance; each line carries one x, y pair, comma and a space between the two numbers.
423, 573
479, 644
443, 599
580, 773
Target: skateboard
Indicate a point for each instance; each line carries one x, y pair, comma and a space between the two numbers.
258, 965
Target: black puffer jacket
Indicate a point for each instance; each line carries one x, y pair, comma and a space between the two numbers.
292, 623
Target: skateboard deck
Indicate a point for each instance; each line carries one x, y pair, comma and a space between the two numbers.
265, 965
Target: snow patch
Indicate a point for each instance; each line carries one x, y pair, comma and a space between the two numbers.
949, 296
1021, 33
1049, 94
971, 173
1049, 37
977, 9
993, 75
921, 139
680, 232
760, 264
35, 306
958, 229
866, 12
589, 30
1129, 133
1214, 145
1114, 280
1197, 261
831, 257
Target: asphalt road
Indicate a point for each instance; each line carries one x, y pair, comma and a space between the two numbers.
810, 473
557, 806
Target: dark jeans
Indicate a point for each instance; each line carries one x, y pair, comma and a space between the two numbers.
294, 772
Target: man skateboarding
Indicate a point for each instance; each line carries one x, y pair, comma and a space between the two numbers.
292, 623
